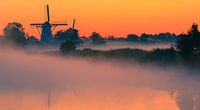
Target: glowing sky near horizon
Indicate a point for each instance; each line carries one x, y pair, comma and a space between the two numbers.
108, 17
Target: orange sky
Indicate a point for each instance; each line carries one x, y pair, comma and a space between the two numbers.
109, 17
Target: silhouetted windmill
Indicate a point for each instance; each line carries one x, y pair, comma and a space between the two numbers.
47, 28
73, 34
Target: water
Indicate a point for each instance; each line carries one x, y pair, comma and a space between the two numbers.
85, 84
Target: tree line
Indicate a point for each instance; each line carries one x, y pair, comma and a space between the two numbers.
185, 51
186, 45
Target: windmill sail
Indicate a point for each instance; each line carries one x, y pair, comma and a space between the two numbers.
48, 13
74, 23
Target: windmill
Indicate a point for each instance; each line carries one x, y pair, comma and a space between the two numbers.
73, 33
46, 28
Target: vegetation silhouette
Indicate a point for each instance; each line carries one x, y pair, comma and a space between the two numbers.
32, 41
67, 47
97, 38
189, 44
147, 38
185, 51
14, 33
70, 34
133, 37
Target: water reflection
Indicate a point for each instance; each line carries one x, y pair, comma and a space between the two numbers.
90, 99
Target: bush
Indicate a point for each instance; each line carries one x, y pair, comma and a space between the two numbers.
67, 47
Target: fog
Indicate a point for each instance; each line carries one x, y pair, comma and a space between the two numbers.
109, 45
86, 84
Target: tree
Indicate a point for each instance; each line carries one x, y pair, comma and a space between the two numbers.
60, 35
67, 47
189, 44
69, 34
97, 38
14, 33
132, 37
32, 40
184, 45
146, 38
194, 34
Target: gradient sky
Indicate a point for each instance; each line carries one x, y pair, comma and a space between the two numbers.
109, 17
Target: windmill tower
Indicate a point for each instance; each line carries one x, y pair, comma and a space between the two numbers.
46, 28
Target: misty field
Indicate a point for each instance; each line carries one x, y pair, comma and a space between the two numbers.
85, 84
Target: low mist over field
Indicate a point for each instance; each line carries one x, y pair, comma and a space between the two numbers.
86, 84
123, 44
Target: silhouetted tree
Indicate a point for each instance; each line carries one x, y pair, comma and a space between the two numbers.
132, 37
67, 47
165, 37
195, 37
14, 33
32, 40
184, 45
97, 38
60, 35
69, 34
146, 38
189, 44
